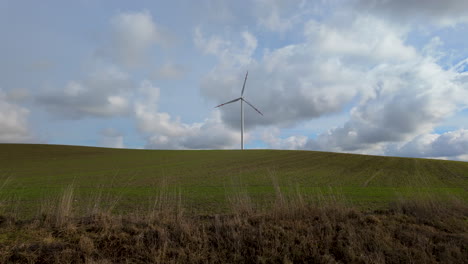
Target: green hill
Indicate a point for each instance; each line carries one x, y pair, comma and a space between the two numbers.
205, 179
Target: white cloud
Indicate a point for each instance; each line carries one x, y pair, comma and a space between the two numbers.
210, 134
278, 15
270, 15
271, 137
13, 122
408, 100
133, 34
363, 41
357, 61
166, 132
310, 79
231, 53
397, 92
111, 138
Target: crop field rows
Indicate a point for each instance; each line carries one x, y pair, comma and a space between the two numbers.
31, 175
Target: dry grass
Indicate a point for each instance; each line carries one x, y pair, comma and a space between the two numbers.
290, 231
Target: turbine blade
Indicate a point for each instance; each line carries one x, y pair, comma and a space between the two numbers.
232, 101
245, 80
252, 106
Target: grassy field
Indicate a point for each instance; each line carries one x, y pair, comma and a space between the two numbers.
31, 176
68, 204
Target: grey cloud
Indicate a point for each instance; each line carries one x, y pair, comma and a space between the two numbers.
107, 91
398, 92
451, 145
410, 100
101, 94
282, 100
447, 12
211, 134
165, 132
17, 95
133, 35
310, 79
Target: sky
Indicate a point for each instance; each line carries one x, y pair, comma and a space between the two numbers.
380, 77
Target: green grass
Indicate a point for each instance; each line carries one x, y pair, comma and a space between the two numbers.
31, 174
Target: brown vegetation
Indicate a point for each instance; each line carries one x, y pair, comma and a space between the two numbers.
290, 231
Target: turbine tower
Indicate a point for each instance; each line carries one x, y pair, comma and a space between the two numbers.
242, 100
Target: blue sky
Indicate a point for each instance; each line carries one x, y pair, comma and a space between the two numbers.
359, 76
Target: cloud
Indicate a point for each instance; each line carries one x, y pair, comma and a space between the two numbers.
111, 138
452, 145
107, 90
306, 80
104, 93
279, 15
165, 132
271, 137
133, 35
210, 134
17, 95
356, 61
444, 13
395, 91
14, 126
169, 71
231, 53
408, 100
365, 41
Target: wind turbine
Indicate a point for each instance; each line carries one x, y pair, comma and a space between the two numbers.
242, 100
